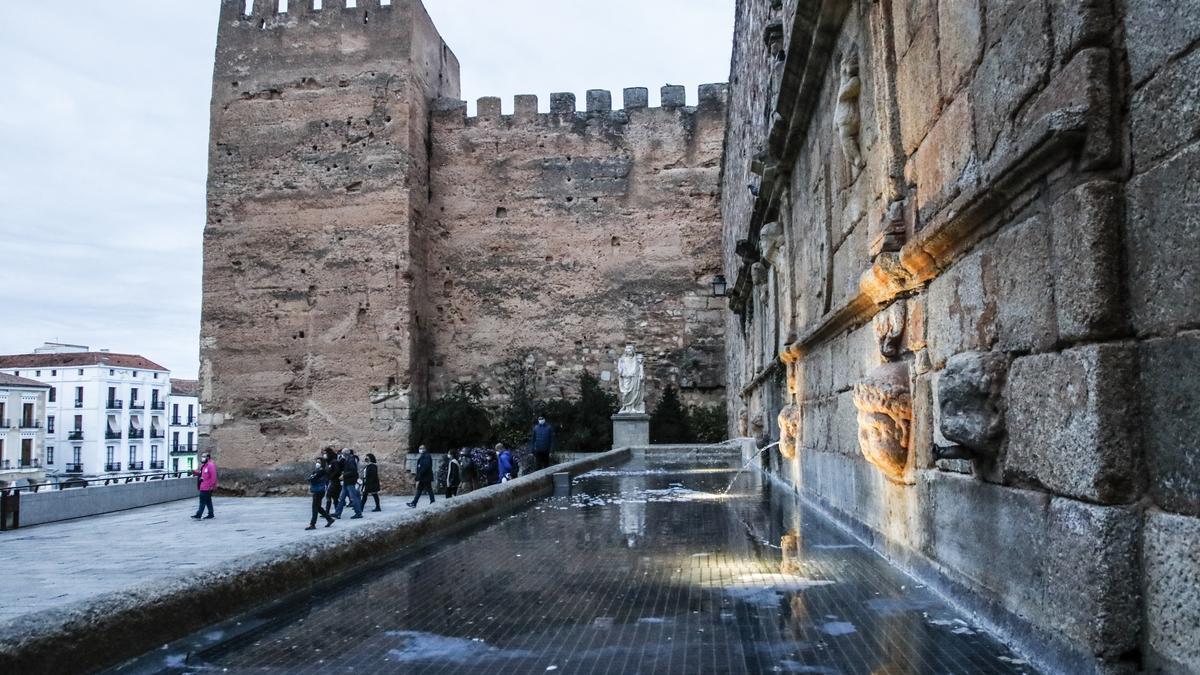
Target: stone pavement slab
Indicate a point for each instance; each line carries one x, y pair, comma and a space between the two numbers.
60, 563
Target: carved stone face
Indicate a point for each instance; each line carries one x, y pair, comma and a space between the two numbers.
885, 418
789, 431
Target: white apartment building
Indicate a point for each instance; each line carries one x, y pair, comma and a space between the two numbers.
22, 429
105, 413
183, 413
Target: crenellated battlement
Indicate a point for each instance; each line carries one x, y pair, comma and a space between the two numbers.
278, 14
563, 105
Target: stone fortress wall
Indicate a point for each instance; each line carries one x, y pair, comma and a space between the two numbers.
963, 301
368, 246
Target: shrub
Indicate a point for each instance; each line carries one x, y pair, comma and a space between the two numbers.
455, 420
668, 422
707, 423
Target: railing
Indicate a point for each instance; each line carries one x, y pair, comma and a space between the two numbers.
112, 435
175, 422
31, 424
133, 466
157, 434
5, 424
137, 433
158, 405
74, 482
112, 467
113, 404
32, 463
49, 428
76, 435
183, 449
158, 466
137, 405
74, 468
78, 403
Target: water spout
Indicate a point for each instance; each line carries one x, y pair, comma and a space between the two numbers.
747, 465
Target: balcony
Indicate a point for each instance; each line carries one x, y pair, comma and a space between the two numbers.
110, 435
31, 424
5, 424
133, 466
158, 405
191, 422
137, 434
113, 404
137, 405
158, 466
183, 449
177, 421
157, 433
112, 467
74, 468
32, 463
78, 403
76, 435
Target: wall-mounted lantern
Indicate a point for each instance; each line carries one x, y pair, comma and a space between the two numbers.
719, 287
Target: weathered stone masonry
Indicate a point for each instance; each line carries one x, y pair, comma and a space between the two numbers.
960, 231
368, 246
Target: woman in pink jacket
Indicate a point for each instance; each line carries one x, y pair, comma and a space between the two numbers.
208, 482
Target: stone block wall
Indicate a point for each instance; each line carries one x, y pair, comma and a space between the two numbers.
314, 268
559, 237
958, 232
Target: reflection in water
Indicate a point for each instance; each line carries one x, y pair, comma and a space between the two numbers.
649, 568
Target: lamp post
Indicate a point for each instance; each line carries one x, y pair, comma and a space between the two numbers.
719, 286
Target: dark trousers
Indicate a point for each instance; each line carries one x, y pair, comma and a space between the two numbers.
451, 490
374, 495
205, 503
317, 509
543, 459
331, 495
422, 487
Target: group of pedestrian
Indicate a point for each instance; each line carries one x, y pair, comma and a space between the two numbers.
334, 485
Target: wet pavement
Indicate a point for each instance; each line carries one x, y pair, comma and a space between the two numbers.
652, 567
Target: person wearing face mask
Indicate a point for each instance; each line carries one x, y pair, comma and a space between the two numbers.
424, 476
207, 483
371, 481
318, 484
542, 442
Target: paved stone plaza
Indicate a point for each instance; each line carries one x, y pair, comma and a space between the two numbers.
62, 563
647, 568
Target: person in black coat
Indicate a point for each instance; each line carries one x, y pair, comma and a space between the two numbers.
424, 476
491, 470
333, 470
371, 481
453, 474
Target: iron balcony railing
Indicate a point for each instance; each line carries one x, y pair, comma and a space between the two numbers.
157, 466
183, 449
5, 424
110, 435
158, 405
134, 466
113, 404
137, 433
32, 463
78, 403
112, 466
76, 435
74, 468
157, 434
31, 424
137, 405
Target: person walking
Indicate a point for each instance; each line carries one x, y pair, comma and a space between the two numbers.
208, 482
542, 442
333, 471
504, 462
453, 474
491, 468
318, 485
371, 481
424, 476
349, 486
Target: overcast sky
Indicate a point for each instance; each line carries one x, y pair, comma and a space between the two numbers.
104, 133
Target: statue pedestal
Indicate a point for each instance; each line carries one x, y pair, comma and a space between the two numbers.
630, 429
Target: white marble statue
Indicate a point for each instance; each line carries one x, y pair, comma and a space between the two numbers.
631, 379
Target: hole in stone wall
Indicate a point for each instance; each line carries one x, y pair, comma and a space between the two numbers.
501, 212
301, 334
616, 241
366, 17
391, 382
596, 200
570, 199
262, 24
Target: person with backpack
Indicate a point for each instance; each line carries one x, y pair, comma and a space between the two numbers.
424, 476
318, 485
505, 463
371, 481
453, 474
349, 485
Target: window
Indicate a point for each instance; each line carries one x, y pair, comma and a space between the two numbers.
135, 373
153, 454
53, 394
37, 373
190, 463
78, 397
17, 373
77, 456
191, 416
132, 455
79, 423
111, 372
110, 454
54, 373
156, 376
133, 395
174, 413
49, 424
175, 440
49, 454
81, 374
189, 441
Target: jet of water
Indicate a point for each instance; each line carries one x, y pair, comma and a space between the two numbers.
747, 465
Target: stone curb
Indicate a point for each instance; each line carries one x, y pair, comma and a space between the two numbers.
110, 628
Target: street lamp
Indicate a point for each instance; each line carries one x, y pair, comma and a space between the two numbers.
719, 286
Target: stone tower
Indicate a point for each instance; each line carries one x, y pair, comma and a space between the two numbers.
318, 174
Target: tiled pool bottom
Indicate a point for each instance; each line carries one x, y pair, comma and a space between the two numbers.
648, 568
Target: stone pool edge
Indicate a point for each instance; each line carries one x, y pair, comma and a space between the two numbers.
110, 628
